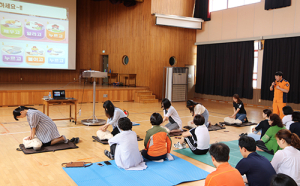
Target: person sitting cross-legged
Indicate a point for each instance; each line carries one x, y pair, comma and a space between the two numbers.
258, 169
157, 141
124, 148
197, 138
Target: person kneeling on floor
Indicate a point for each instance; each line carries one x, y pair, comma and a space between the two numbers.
197, 138
124, 148
41, 126
157, 141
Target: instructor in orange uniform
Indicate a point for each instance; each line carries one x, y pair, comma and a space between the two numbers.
281, 87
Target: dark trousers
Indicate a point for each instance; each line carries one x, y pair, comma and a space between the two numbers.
145, 155
193, 146
115, 131
113, 149
263, 147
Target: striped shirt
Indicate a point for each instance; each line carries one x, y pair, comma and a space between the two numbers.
46, 129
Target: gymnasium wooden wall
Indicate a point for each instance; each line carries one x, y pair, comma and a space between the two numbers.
120, 31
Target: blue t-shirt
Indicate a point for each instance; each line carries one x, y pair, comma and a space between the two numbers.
257, 168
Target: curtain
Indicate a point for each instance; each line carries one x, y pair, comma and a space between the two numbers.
281, 55
272, 4
225, 69
202, 10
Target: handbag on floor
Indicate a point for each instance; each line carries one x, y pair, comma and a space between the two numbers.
77, 164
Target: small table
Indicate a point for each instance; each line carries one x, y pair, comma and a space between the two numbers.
128, 77
112, 75
60, 102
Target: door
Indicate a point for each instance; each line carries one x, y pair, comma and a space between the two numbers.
191, 81
104, 68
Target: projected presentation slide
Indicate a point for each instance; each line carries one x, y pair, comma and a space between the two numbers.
33, 36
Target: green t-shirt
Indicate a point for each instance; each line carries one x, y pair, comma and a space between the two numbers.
270, 138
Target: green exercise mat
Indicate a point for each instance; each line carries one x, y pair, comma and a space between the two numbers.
235, 155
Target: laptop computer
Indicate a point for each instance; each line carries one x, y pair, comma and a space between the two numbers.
58, 94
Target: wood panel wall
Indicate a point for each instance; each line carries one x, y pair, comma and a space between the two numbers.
120, 31
254, 101
33, 97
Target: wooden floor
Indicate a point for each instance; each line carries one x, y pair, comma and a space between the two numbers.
45, 168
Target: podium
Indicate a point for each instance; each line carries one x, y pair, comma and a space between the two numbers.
94, 74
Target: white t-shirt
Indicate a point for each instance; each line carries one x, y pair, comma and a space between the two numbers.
287, 161
199, 109
127, 155
201, 136
118, 113
173, 113
287, 121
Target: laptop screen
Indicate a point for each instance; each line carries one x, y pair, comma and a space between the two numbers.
58, 94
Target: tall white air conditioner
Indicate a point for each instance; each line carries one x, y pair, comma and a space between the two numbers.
175, 88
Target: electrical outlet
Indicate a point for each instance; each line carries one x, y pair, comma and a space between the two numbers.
74, 79
259, 100
105, 95
21, 79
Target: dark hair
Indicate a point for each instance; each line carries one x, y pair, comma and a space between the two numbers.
125, 123
156, 119
282, 180
220, 152
248, 143
276, 120
199, 120
190, 104
278, 73
268, 112
236, 96
287, 110
17, 111
291, 138
166, 103
109, 108
296, 116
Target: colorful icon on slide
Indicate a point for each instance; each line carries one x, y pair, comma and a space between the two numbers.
34, 30
55, 56
11, 28
35, 55
12, 55
56, 32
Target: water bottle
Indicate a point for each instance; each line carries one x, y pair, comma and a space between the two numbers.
109, 70
49, 95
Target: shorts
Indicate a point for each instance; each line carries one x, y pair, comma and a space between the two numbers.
172, 126
193, 146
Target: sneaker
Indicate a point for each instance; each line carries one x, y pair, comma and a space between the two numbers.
66, 140
159, 161
108, 154
179, 146
243, 134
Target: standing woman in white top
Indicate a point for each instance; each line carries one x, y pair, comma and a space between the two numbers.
287, 119
170, 114
41, 126
287, 161
113, 114
197, 109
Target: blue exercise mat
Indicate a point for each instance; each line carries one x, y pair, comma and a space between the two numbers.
165, 173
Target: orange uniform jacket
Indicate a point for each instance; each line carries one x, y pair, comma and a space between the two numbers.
279, 96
